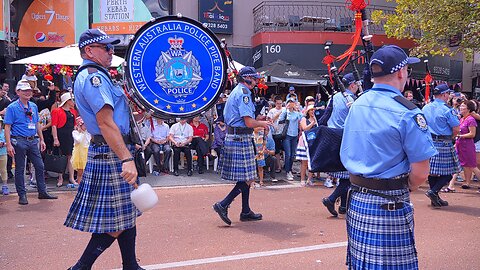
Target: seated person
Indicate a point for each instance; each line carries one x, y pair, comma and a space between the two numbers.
265, 157
181, 135
219, 133
145, 129
199, 141
160, 147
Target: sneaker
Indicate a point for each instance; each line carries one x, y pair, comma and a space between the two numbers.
5, 190
328, 183
33, 184
156, 173
274, 180
289, 176
310, 182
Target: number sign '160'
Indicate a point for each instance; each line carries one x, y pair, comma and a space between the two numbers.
273, 48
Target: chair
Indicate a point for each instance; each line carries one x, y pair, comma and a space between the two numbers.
345, 24
150, 163
331, 25
294, 21
280, 22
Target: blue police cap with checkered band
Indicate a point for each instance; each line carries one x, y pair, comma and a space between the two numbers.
95, 36
249, 72
391, 59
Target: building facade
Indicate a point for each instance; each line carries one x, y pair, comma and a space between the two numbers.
257, 32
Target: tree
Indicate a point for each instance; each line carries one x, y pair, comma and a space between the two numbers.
439, 27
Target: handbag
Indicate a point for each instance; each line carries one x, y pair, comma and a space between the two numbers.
285, 122
55, 162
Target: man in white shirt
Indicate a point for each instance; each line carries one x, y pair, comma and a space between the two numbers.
274, 114
160, 147
181, 135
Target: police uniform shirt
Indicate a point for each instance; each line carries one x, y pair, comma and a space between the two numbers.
341, 105
94, 90
239, 104
22, 124
441, 119
382, 137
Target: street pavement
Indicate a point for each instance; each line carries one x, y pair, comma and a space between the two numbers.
183, 232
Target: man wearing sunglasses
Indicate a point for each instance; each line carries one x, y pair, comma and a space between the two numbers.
102, 205
386, 147
23, 136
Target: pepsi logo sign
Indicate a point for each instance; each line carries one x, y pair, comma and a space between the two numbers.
40, 37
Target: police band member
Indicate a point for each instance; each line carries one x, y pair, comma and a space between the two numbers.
102, 205
23, 136
443, 124
237, 161
341, 106
386, 147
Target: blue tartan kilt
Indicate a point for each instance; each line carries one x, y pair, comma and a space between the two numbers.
446, 161
378, 238
341, 175
102, 203
237, 161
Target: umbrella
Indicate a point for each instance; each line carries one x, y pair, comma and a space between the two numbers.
68, 56
281, 71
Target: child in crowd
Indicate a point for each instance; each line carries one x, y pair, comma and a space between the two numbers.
260, 144
3, 159
81, 139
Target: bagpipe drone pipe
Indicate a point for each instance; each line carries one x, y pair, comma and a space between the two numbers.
323, 143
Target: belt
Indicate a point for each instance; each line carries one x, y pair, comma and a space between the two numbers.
394, 204
239, 130
98, 140
28, 138
442, 137
399, 182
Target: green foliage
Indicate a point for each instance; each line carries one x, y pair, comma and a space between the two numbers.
433, 23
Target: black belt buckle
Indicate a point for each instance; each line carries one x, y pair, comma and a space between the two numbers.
101, 156
392, 206
363, 189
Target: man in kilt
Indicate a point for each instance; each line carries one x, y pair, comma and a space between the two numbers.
237, 161
102, 205
443, 124
341, 106
386, 147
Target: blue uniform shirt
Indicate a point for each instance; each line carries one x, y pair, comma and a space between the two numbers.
22, 125
341, 105
441, 119
95, 90
239, 104
382, 137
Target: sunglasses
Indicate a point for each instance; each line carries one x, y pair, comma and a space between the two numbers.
107, 47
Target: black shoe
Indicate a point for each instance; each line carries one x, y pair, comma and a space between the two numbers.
190, 172
250, 216
200, 171
434, 198
330, 206
442, 202
342, 210
176, 173
46, 196
79, 266
222, 213
23, 200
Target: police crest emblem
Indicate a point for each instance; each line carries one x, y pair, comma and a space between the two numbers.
176, 67
421, 121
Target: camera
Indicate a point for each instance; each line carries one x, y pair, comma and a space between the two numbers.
459, 100
46, 83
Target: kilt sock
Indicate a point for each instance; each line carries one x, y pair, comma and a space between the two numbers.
245, 197
432, 181
442, 180
341, 191
126, 242
231, 196
97, 245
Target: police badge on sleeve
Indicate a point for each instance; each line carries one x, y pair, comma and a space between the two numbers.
421, 121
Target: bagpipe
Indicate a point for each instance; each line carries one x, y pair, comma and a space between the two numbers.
323, 143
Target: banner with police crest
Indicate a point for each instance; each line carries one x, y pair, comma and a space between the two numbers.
176, 67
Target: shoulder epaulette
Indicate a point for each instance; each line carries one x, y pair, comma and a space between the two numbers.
92, 70
405, 102
245, 91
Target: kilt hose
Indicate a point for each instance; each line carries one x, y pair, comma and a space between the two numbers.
102, 203
446, 161
378, 238
237, 161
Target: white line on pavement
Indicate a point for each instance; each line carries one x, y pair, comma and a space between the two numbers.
243, 256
